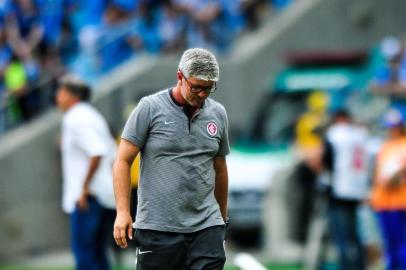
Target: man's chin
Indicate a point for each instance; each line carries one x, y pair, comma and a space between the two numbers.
194, 103
198, 103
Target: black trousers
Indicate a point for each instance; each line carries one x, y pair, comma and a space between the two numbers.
201, 250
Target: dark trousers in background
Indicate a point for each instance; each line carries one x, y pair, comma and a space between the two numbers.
91, 231
181, 251
393, 228
344, 231
302, 201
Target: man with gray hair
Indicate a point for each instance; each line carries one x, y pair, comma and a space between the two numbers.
88, 152
182, 136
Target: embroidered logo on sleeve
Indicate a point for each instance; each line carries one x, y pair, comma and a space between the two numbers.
212, 129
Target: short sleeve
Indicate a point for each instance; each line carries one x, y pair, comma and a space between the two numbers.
89, 138
224, 148
137, 126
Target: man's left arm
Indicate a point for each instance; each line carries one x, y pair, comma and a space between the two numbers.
221, 184
94, 163
94, 145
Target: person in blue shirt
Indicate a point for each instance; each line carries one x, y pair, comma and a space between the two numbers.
390, 77
25, 30
51, 16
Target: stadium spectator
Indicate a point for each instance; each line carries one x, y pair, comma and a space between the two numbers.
5, 58
25, 28
392, 74
16, 83
390, 78
50, 37
88, 151
254, 11
51, 18
84, 13
388, 196
113, 49
171, 27
210, 23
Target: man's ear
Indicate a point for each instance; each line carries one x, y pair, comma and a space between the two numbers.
179, 75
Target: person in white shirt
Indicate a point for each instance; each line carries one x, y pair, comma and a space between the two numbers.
88, 151
349, 187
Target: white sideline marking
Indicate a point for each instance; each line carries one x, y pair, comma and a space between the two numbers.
246, 261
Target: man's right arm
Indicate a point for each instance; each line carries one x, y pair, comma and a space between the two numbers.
127, 151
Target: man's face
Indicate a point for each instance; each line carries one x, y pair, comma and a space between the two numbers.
195, 91
64, 99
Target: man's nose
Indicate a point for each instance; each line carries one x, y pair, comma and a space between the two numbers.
204, 94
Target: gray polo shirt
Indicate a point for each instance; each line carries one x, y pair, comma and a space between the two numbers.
176, 187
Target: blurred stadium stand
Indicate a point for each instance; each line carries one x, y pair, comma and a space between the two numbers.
31, 220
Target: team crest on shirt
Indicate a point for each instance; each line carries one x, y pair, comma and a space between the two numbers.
212, 128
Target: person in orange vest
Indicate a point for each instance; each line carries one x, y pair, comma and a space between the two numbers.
388, 196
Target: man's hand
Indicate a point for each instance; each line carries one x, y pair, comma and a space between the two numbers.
82, 201
123, 228
121, 178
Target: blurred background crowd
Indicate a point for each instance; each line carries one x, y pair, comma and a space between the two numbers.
42, 39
